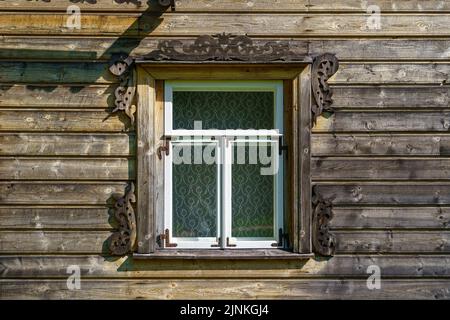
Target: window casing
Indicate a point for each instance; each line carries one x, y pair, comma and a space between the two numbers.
225, 144
152, 242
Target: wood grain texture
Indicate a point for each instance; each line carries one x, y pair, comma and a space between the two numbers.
239, 6
264, 24
67, 217
386, 193
92, 48
381, 144
54, 241
372, 168
368, 241
95, 266
67, 144
67, 169
55, 96
391, 97
221, 289
392, 241
55, 72
28, 120
391, 217
60, 193
391, 121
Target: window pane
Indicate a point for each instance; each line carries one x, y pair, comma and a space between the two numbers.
223, 110
252, 194
194, 192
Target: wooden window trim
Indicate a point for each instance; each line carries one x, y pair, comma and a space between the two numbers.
149, 127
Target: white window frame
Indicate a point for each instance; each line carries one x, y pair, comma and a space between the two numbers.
224, 153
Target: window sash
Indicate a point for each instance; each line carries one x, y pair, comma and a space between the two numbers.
225, 138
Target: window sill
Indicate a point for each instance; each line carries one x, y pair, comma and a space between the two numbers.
228, 254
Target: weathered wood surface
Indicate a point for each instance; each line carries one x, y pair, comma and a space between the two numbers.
94, 266
25, 120
54, 241
60, 193
392, 241
372, 168
67, 169
369, 241
264, 24
72, 217
386, 193
221, 289
392, 121
391, 217
67, 217
237, 5
390, 97
89, 48
381, 144
67, 144
55, 96
349, 73
54, 72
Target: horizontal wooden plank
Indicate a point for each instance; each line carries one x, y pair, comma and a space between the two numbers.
390, 217
64, 193
367, 241
224, 289
55, 96
95, 266
392, 73
392, 241
89, 48
391, 97
386, 193
380, 144
54, 241
264, 24
371, 168
12, 217
65, 144
236, 5
67, 169
392, 121
52, 72
60, 121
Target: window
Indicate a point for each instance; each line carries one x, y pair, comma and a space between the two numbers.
223, 172
204, 122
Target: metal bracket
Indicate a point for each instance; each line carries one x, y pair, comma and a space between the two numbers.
230, 244
164, 148
281, 146
166, 3
166, 237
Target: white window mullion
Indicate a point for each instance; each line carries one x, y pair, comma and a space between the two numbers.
227, 190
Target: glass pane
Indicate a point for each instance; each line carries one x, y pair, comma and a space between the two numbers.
194, 191
252, 193
223, 110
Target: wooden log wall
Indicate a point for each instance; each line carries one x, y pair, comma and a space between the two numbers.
383, 157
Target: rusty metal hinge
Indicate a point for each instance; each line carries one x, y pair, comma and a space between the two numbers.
281, 147
166, 237
230, 244
165, 147
166, 3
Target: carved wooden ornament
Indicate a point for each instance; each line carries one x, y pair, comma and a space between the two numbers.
122, 66
324, 242
123, 240
323, 68
221, 47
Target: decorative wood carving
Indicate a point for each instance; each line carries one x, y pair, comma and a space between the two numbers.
324, 66
221, 47
123, 67
124, 239
323, 241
